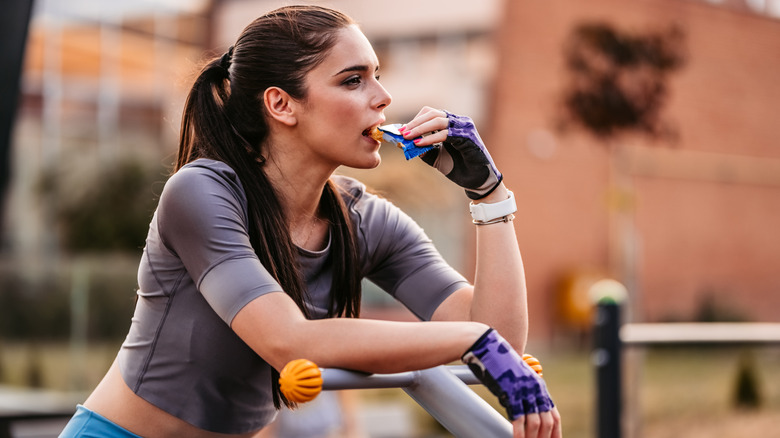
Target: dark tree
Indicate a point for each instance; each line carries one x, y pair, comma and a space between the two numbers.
618, 80
105, 209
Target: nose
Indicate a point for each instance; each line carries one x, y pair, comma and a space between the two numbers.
383, 98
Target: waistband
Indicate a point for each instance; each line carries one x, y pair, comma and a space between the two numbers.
86, 423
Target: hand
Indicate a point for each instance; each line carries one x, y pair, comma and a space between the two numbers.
518, 387
541, 425
462, 156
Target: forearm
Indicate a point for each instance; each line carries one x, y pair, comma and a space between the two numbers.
385, 346
500, 298
276, 329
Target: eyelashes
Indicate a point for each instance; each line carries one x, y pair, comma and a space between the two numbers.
357, 80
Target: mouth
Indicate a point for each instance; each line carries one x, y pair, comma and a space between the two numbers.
373, 132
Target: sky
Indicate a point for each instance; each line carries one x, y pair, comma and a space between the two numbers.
108, 10
112, 10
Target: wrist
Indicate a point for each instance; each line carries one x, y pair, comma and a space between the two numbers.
484, 213
499, 194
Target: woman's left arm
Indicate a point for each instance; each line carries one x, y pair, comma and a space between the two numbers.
498, 297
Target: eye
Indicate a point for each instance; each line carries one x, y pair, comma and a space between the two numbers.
353, 80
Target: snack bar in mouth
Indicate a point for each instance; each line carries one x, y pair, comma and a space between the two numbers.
390, 134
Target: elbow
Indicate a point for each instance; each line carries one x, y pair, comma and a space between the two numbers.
278, 355
284, 349
518, 338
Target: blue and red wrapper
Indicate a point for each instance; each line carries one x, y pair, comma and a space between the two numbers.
391, 134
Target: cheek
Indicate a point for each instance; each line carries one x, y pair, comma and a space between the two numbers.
345, 109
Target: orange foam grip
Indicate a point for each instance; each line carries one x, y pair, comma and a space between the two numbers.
300, 381
533, 363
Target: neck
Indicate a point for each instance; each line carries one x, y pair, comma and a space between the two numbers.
299, 182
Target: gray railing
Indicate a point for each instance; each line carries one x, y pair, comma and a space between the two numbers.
610, 337
442, 391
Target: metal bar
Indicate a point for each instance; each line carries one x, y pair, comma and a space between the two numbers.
607, 360
453, 404
441, 391
700, 333
464, 374
335, 379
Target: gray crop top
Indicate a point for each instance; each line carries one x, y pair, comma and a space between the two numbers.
199, 269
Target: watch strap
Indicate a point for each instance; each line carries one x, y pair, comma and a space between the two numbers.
484, 212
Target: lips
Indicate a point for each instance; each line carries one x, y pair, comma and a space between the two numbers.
373, 132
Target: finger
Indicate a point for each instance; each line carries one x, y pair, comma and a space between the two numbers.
547, 424
420, 127
532, 423
427, 110
427, 120
518, 427
430, 132
557, 431
433, 138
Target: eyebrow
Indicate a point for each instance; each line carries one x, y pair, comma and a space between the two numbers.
359, 68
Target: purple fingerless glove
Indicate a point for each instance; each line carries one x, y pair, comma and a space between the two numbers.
498, 366
464, 159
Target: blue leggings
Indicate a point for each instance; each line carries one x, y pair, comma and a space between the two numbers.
89, 424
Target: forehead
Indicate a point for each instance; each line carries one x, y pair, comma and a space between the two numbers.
352, 48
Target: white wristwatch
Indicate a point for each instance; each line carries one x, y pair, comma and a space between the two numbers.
484, 212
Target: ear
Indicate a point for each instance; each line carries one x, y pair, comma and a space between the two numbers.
280, 106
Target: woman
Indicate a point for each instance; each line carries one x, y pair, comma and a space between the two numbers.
256, 251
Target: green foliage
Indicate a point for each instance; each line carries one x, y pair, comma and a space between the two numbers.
102, 207
618, 79
99, 208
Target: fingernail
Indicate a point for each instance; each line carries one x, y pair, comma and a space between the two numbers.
416, 140
402, 129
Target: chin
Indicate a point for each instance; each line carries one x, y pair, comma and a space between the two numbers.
368, 163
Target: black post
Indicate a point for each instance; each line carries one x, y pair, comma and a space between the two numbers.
607, 360
14, 23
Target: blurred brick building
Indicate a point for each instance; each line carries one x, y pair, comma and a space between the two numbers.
703, 211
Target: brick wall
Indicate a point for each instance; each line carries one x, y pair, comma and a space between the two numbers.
706, 209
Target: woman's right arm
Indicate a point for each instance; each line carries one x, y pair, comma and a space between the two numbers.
274, 327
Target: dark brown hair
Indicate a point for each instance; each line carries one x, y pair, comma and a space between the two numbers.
224, 120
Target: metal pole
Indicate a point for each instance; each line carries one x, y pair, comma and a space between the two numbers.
453, 404
441, 391
336, 379
607, 360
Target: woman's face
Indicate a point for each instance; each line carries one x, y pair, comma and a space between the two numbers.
344, 101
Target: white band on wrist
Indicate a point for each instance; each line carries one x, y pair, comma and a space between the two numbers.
484, 212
